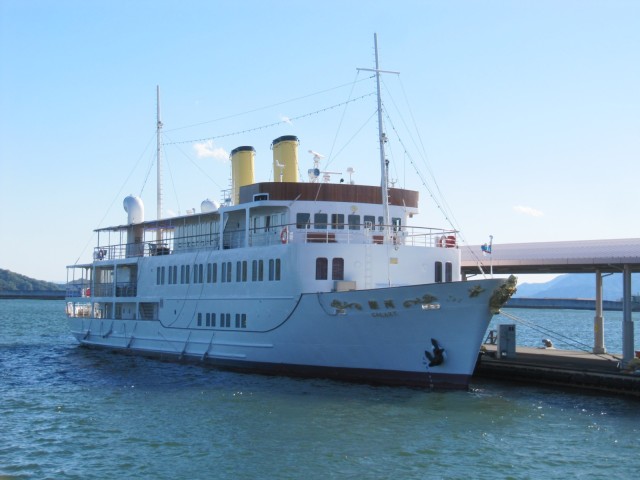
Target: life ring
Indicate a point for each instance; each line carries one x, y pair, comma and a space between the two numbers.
451, 241
100, 254
284, 235
447, 241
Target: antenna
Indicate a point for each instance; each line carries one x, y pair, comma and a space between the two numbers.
159, 166
384, 181
314, 172
281, 167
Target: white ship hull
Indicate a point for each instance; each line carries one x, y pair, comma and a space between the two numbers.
378, 335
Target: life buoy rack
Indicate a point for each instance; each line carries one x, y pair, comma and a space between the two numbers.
284, 235
447, 241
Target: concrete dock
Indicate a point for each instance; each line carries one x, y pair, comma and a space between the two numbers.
562, 368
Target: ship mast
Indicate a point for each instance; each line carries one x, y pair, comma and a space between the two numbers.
382, 138
159, 167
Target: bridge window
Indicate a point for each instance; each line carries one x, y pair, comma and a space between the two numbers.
397, 223
302, 220
320, 221
354, 222
337, 221
321, 268
438, 272
369, 221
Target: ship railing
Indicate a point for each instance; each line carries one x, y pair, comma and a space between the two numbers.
353, 234
281, 234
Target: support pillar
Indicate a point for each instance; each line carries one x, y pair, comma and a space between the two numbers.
627, 321
598, 320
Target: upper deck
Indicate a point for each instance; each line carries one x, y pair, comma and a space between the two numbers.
271, 213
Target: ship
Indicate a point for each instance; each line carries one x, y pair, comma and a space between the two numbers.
305, 279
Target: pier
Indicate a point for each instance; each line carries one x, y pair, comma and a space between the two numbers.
597, 370
563, 368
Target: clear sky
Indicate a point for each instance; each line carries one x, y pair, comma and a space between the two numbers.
524, 116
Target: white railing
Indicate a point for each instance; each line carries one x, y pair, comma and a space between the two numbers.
285, 234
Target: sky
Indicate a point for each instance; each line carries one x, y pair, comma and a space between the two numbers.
517, 119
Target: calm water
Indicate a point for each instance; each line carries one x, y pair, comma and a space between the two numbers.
67, 412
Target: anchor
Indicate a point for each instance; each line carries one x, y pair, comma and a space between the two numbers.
437, 357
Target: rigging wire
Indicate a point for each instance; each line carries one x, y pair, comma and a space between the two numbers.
117, 195
264, 107
270, 125
188, 157
344, 111
437, 196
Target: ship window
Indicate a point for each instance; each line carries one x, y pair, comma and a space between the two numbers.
397, 223
369, 221
320, 221
213, 319
337, 221
337, 269
238, 271
237, 320
175, 274
224, 272
158, 276
208, 273
222, 319
162, 276
187, 274
354, 222
271, 269
381, 223
254, 270
448, 272
170, 278
208, 319
243, 319
244, 270
214, 273
200, 271
228, 320
181, 273
199, 319
277, 269
260, 270
302, 220
228, 272
438, 272
321, 268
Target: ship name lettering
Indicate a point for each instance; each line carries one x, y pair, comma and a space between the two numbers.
385, 314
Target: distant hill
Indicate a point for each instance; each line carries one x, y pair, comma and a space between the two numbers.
14, 282
578, 285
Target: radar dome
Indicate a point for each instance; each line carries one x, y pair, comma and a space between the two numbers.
208, 206
135, 208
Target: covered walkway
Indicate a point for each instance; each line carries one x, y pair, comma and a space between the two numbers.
580, 256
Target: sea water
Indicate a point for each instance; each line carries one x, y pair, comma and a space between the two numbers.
70, 412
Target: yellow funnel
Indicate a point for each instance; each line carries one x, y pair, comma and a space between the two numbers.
285, 158
241, 170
